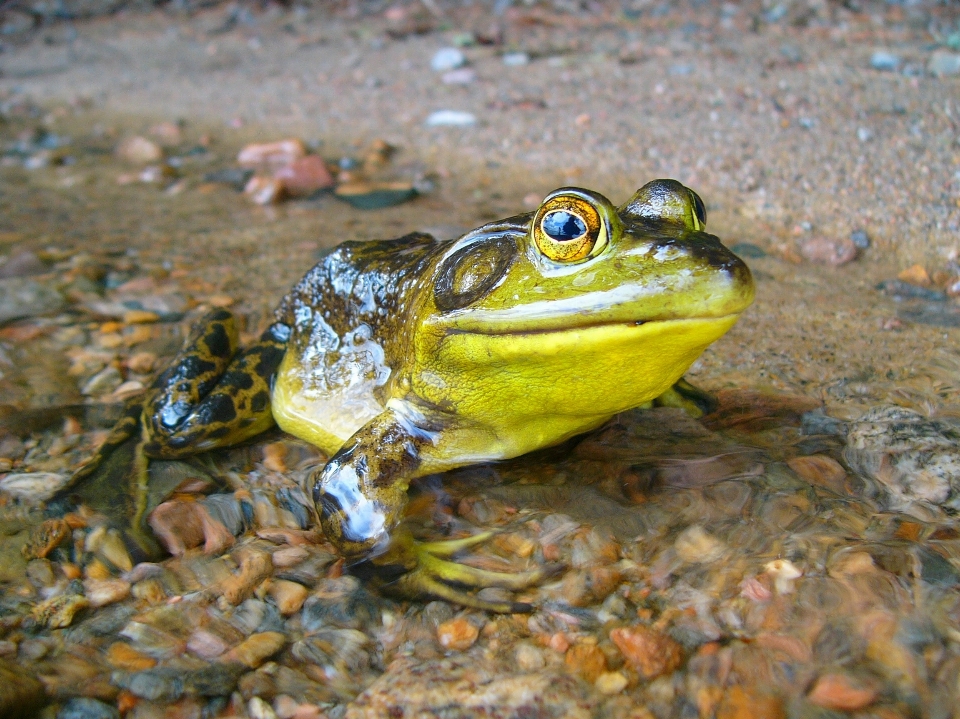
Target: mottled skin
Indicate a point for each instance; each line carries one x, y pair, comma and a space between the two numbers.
408, 357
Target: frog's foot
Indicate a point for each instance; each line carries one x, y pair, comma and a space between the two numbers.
429, 573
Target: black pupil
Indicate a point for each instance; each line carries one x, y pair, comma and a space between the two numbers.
563, 226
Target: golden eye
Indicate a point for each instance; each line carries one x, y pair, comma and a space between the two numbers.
568, 228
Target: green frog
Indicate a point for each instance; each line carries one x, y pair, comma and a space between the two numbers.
414, 356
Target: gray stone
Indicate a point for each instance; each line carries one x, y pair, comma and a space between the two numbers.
944, 62
21, 298
86, 708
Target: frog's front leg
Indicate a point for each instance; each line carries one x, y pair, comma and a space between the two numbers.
361, 494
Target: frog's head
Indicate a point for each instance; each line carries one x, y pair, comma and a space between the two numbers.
611, 303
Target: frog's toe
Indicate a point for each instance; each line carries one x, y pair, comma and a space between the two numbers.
431, 574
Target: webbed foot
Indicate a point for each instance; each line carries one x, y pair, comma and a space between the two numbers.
426, 571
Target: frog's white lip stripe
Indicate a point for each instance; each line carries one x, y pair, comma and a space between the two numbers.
505, 332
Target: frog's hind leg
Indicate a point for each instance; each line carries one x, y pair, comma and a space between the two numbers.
211, 396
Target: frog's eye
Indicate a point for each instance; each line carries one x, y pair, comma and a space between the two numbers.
568, 228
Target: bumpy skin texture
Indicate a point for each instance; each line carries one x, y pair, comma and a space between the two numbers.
412, 356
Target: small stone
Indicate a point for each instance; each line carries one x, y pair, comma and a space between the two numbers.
207, 645
264, 190
860, 239
123, 656
167, 133
741, 702
305, 176
181, 525
695, 546
140, 317
460, 76
825, 251
784, 574
451, 118
447, 58
45, 538
864, 134
22, 264
821, 470
259, 709
529, 658
220, 301
102, 592
255, 566
375, 195
650, 652
21, 298
611, 683
32, 487
255, 649
87, 708
103, 382
457, 634
515, 59
289, 596
279, 153
586, 660
915, 275
842, 692
289, 557
943, 63
887, 61
60, 611
108, 545
274, 457
139, 150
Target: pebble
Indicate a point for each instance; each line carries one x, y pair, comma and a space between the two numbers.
784, 574
45, 538
515, 59
842, 692
944, 63
289, 556
611, 682
206, 644
887, 61
139, 150
22, 297
447, 58
747, 702
123, 656
180, 525
289, 596
913, 459
586, 661
915, 275
32, 487
860, 239
650, 652
460, 76
451, 118
529, 658
826, 251
103, 382
457, 634
821, 470
278, 153
375, 195
22, 264
102, 592
259, 709
264, 190
304, 176
87, 708
255, 649
60, 611
695, 546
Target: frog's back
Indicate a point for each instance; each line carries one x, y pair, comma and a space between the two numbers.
349, 329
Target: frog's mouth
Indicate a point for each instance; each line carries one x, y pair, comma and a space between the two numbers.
502, 330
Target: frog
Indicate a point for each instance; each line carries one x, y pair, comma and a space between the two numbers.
411, 357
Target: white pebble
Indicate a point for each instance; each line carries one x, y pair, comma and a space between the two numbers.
447, 58
453, 118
